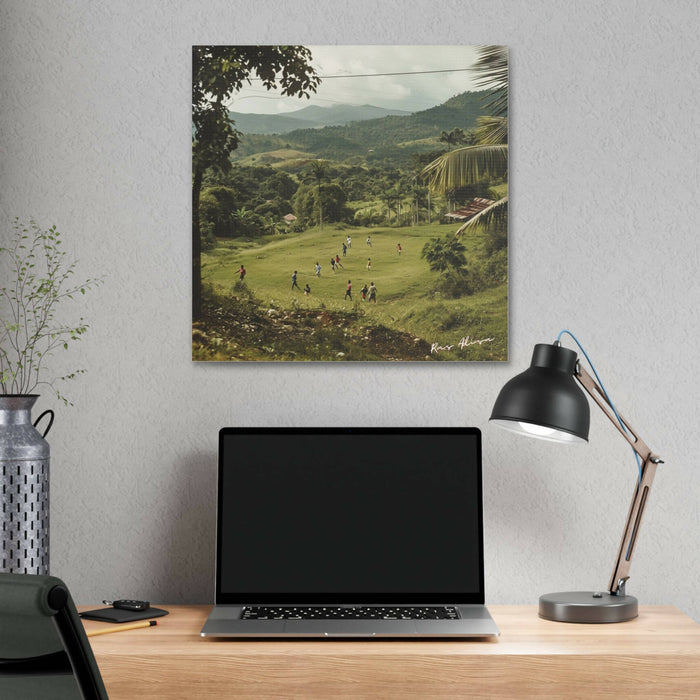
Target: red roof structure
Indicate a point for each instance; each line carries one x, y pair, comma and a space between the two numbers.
478, 204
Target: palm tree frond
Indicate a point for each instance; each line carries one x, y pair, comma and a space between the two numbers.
466, 166
492, 68
494, 215
492, 130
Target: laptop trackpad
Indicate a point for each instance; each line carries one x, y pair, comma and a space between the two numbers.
237, 628
350, 628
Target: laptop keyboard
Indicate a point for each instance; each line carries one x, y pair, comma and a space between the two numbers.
361, 612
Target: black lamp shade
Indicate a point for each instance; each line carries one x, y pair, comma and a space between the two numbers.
545, 400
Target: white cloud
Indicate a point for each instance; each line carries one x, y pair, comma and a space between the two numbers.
415, 89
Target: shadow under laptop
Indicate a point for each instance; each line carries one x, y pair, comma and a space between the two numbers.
395, 641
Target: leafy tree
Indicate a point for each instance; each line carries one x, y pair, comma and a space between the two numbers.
334, 202
308, 203
318, 172
216, 205
420, 200
368, 217
355, 186
247, 223
270, 226
304, 205
217, 73
275, 208
389, 197
254, 185
447, 257
445, 254
279, 185
453, 138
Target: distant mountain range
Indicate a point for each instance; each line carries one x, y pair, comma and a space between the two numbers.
391, 138
311, 117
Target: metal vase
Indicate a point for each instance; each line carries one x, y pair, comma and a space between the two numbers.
24, 478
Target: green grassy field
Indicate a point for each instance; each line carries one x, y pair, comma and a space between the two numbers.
281, 158
405, 298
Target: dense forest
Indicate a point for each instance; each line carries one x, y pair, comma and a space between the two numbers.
365, 173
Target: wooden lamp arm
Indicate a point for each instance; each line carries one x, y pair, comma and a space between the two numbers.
639, 499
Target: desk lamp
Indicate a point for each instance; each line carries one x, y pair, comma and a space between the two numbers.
545, 401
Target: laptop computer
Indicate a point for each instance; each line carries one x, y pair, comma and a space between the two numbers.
349, 532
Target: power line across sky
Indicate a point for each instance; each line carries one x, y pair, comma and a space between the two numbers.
406, 78
381, 75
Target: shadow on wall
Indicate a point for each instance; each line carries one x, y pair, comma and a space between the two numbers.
184, 568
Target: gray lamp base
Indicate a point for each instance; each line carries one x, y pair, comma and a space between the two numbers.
587, 607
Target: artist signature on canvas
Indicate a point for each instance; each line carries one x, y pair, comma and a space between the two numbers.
464, 343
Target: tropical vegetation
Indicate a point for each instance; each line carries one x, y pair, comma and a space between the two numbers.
279, 203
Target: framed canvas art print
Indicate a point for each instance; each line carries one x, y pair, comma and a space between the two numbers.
350, 203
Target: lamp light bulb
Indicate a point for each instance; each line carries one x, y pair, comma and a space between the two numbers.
538, 430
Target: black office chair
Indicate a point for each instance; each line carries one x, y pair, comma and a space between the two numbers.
44, 652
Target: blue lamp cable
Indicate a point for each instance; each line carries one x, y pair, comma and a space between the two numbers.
607, 397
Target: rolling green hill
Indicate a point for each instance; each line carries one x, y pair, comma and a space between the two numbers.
374, 138
311, 117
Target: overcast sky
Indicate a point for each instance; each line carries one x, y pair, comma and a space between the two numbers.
407, 92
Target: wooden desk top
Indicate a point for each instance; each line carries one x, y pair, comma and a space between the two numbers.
655, 655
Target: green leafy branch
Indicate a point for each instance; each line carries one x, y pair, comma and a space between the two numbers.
29, 332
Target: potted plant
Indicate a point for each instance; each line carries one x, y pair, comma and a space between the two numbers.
40, 279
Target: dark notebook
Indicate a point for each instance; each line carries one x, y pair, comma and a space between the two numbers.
118, 615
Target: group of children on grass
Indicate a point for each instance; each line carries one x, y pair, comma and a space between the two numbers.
367, 293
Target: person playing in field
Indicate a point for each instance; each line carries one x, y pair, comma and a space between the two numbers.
369, 263
345, 249
398, 248
241, 273
372, 292
363, 292
333, 264
318, 270
348, 291
294, 281
369, 241
337, 262
349, 241
307, 290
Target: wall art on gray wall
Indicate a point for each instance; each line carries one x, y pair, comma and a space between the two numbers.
350, 203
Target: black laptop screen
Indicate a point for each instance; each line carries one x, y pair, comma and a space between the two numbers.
350, 516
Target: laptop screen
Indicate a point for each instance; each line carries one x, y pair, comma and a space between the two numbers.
361, 515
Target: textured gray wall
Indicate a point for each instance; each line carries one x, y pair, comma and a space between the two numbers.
95, 137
